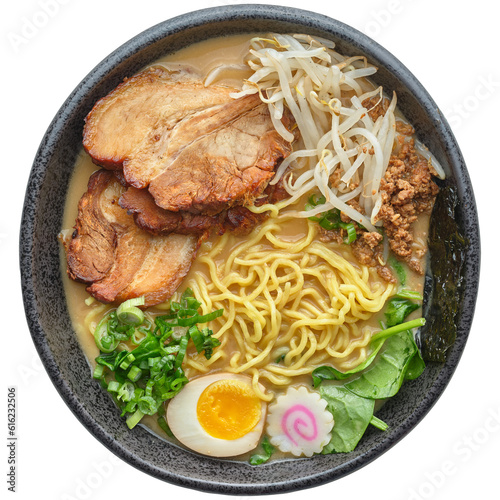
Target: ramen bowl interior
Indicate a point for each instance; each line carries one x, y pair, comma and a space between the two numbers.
43, 292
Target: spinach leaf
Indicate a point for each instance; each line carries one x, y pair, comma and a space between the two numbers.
415, 367
409, 294
329, 373
351, 413
395, 358
397, 310
399, 268
384, 378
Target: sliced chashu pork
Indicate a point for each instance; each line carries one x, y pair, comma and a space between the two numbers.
117, 259
194, 147
156, 220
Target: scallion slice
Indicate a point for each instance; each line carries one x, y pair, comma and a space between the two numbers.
113, 386
98, 372
126, 392
127, 361
129, 313
104, 341
134, 373
134, 419
330, 219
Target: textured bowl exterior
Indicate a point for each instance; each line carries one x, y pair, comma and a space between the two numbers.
43, 293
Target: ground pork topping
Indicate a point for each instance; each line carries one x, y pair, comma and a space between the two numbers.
367, 248
407, 190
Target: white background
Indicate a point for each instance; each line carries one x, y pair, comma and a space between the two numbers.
452, 50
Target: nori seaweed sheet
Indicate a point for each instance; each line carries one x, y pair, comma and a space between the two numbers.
447, 249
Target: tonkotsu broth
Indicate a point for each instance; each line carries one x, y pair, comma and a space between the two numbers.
203, 57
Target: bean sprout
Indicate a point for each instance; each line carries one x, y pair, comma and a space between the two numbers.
325, 92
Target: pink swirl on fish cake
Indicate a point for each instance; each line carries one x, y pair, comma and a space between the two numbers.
299, 423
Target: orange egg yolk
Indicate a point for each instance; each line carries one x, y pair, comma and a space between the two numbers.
228, 409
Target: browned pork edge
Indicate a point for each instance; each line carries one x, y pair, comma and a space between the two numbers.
237, 219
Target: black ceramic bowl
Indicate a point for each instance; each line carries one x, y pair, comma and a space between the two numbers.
45, 302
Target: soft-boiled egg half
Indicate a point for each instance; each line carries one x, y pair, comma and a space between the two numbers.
218, 415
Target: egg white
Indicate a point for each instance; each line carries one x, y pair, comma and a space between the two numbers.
183, 421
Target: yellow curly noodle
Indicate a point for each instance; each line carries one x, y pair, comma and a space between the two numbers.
292, 299
299, 298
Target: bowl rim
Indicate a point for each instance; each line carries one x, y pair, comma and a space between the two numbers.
40, 164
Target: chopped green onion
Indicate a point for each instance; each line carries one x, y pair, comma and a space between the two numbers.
196, 337
134, 373
127, 361
135, 302
172, 349
280, 353
351, 232
179, 382
104, 342
330, 219
148, 405
327, 224
314, 201
135, 339
182, 351
134, 419
113, 386
130, 407
126, 391
98, 372
153, 361
191, 320
148, 370
128, 312
89, 301
144, 364
191, 302
161, 411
